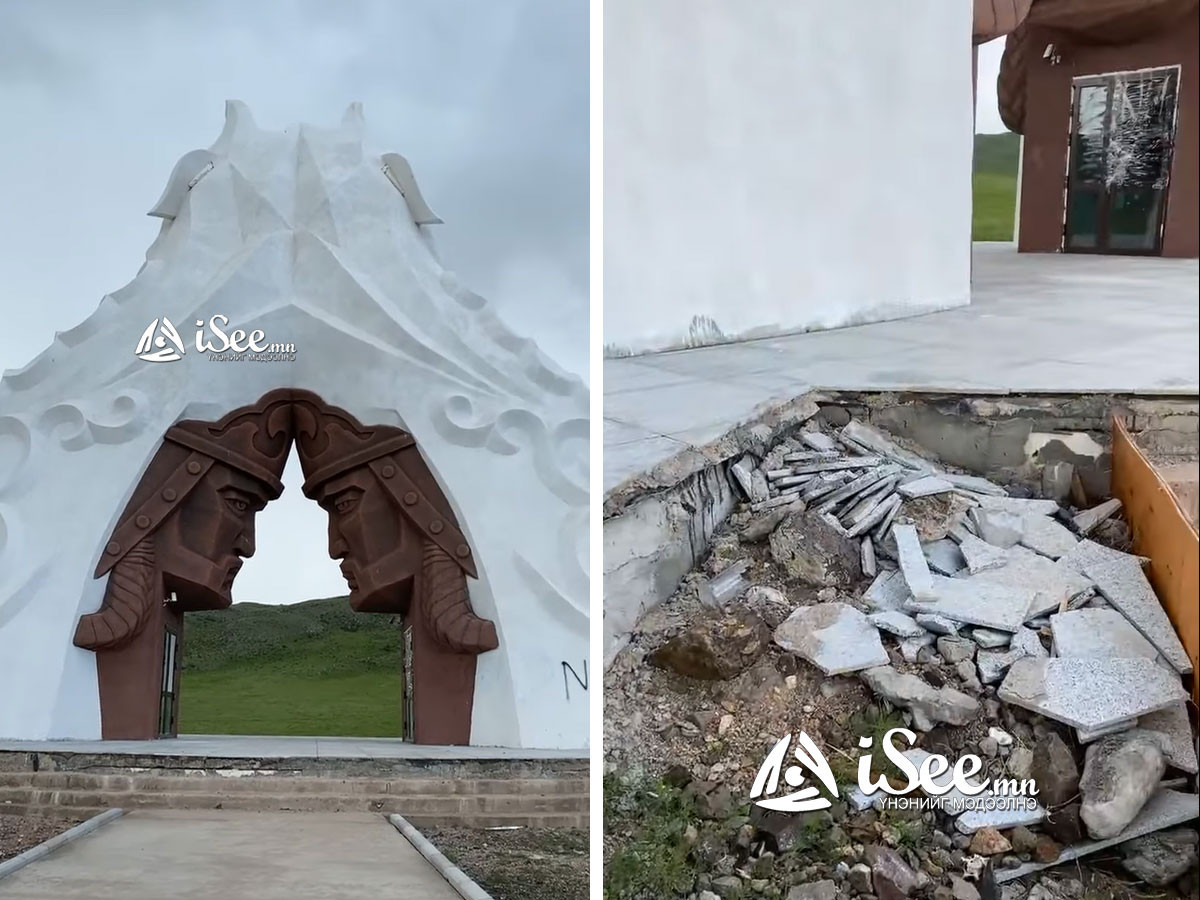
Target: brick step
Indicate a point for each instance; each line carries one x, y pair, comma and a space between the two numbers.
435, 805
470, 820
292, 784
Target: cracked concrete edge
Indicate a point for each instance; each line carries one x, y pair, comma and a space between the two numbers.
761, 428
45, 848
462, 883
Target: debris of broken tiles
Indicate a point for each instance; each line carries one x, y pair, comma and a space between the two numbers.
834, 637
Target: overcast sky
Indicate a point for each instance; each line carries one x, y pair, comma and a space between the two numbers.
987, 116
488, 100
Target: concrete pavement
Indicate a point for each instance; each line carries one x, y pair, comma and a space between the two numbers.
224, 855
1036, 323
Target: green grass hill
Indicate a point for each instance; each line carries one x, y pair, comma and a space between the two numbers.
313, 668
995, 186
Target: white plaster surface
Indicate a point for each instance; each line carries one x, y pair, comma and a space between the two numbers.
302, 235
778, 166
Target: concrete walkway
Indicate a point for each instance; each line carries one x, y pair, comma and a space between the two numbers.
1036, 323
218, 855
236, 746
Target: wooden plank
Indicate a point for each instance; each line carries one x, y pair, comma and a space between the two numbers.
1161, 531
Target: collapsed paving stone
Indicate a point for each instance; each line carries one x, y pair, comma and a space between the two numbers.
974, 483
1124, 585
895, 622
1085, 523
1103, 633
993, 664
1179, 744
975, 601
937, 624
1018, 506
1120, 773
955, 650
1158, 859
944, 556
925, 486
814, 890
979, 556
808, 549
996, 527
912, 561
1090, 693
1044, 535
887, 592
929, 705
714, 646
1164, 810
988, 639
834, 637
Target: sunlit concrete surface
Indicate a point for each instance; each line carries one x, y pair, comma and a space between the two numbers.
1036, 323
218, 854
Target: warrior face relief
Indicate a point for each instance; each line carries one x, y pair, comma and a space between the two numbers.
379, 551
201, 547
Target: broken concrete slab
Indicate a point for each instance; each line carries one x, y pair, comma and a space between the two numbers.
1085, 736
867, 557
924, 486
1044, 535
1014, 812
936, 624
944, 556
993, 664
910, 648
743, 473
1056, 480
1019, 506
818, 440
1090, 693
887, 591
895, 622
1124, 585
1098, 633
882, 513
1050, 586
929, 705
1088, 551
857, 486
1163, 810
833, 465
979, 555
876, 441
1087, 520
998, 528
988, 639
975, 601
912, 562
863, 506
1179, 745
974, 483
834, 637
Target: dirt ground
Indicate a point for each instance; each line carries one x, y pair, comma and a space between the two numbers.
522, 863
20, 833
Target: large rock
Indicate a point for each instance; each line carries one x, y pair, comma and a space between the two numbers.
809, 549
889, 866
715, 646
1054, 771
814, 890
1120, 772
835, 637
1160, 858
929, 705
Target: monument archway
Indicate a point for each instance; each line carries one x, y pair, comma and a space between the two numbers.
180, 541
288, 259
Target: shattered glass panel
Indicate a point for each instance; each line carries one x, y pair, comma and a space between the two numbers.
1089, 138
1139, 145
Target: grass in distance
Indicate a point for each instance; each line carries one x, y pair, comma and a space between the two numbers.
313, 668
994, 186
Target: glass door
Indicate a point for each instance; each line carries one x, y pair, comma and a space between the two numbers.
1122, 133
170, 682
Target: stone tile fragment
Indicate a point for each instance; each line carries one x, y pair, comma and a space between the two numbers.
912, 561
1046, 536
1090, 693
1098, 632
925, 486
944, 556
835, 637
1087, 520
979, 555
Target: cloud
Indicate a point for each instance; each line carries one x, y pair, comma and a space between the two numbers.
489, 102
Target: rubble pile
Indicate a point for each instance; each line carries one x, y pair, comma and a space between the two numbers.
862, 581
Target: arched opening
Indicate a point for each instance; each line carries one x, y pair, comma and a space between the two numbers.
180, 543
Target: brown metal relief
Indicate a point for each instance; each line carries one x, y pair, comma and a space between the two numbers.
183, 535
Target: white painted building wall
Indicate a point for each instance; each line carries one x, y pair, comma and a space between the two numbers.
778, 166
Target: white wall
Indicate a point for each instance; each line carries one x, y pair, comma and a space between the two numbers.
777, 166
